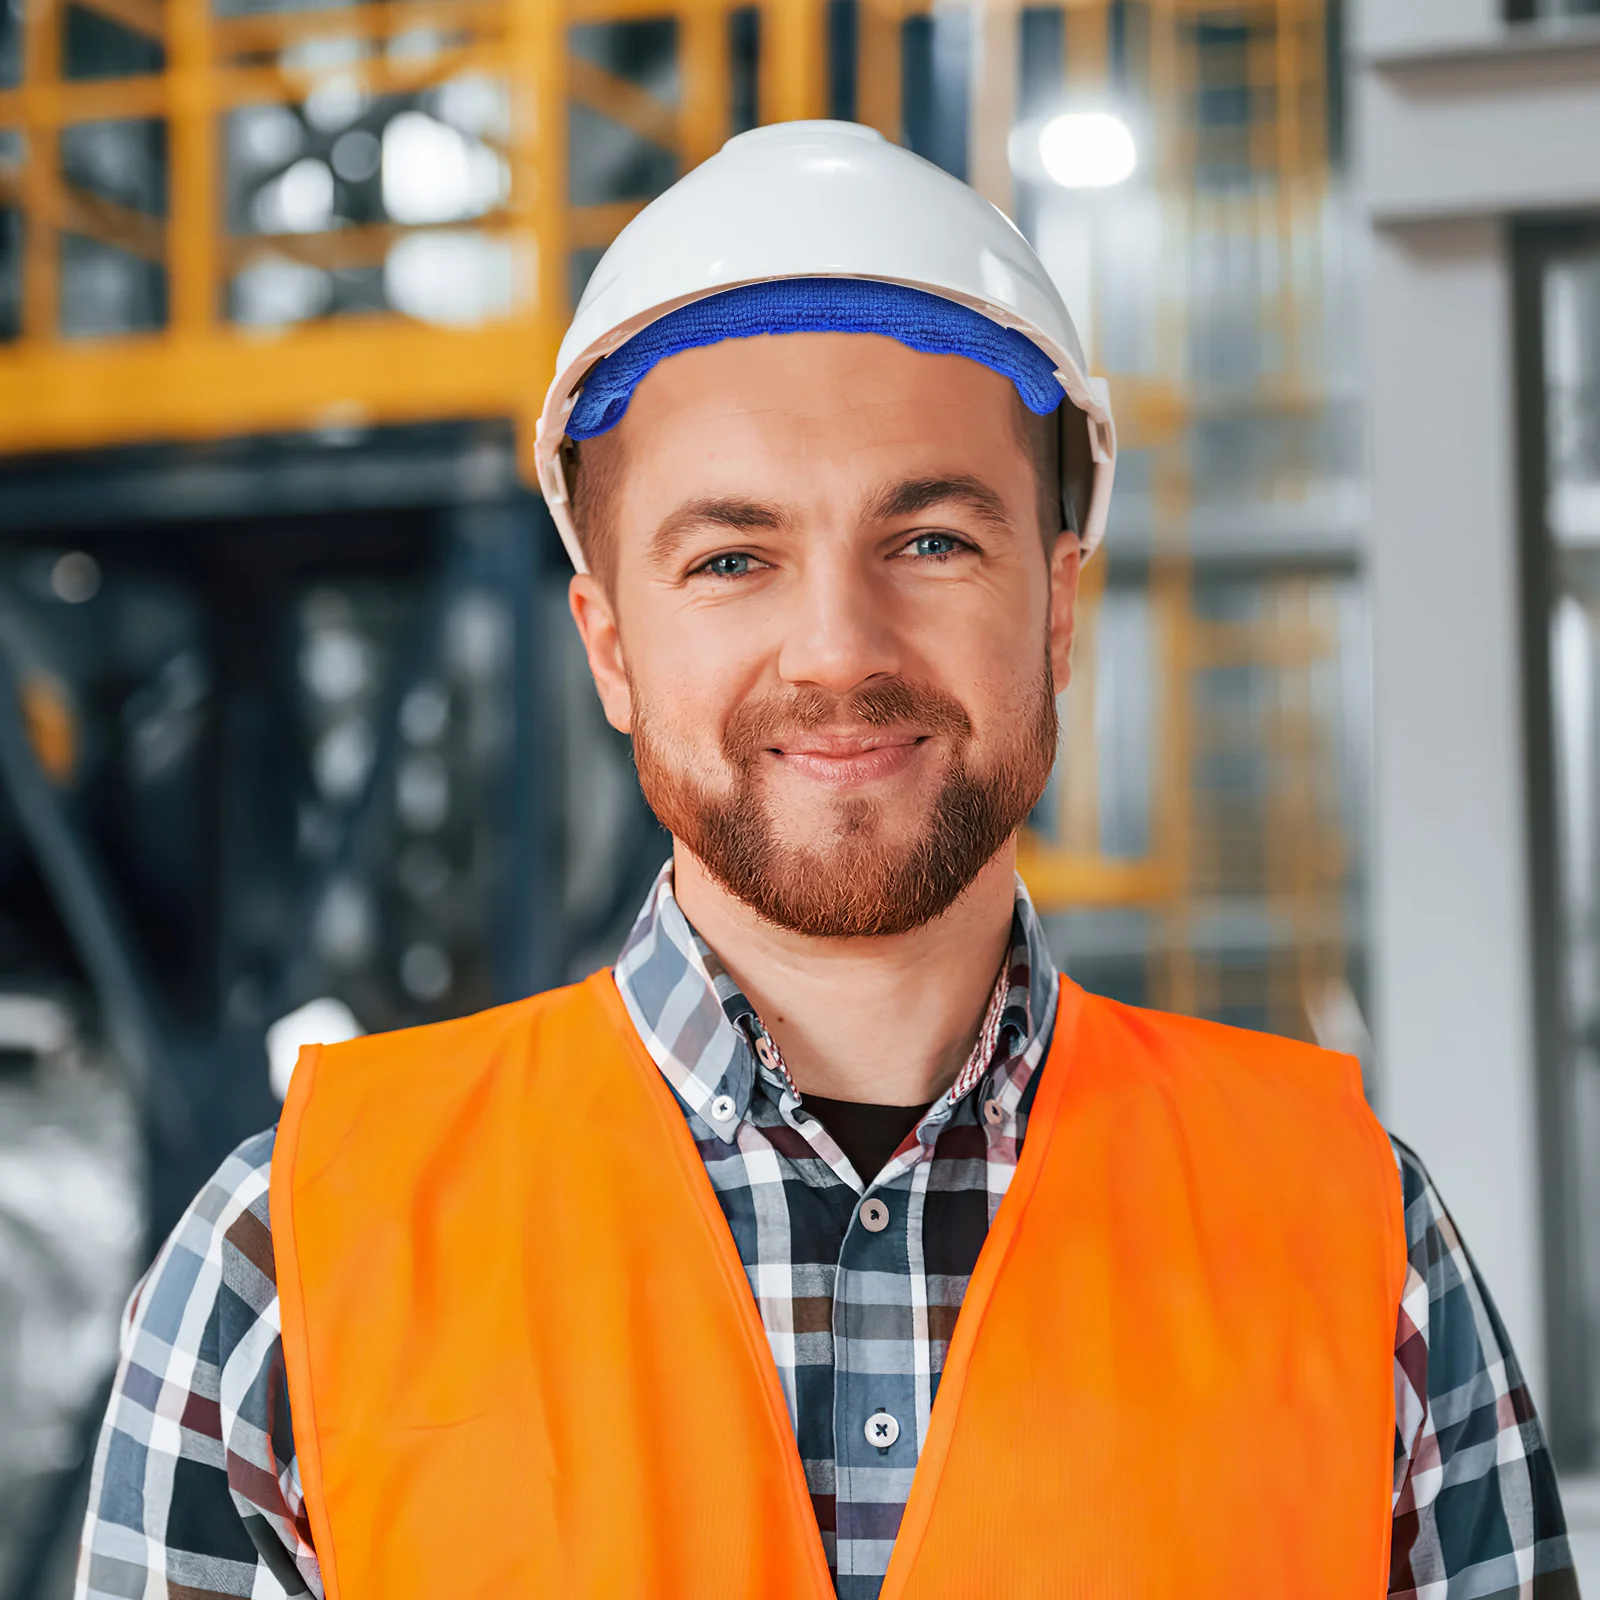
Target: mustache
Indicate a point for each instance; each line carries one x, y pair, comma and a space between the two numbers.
888, 703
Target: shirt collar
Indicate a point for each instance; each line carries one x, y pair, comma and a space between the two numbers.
705, 1036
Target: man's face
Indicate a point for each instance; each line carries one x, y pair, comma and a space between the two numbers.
828, 623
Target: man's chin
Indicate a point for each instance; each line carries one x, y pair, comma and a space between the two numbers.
842, 826
854, 889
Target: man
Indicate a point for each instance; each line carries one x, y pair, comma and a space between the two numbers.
831, 1241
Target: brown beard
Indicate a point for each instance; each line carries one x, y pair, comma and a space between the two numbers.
862, 885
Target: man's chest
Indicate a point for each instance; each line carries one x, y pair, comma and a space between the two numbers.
859, 1295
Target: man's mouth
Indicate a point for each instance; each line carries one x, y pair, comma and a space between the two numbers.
844, 759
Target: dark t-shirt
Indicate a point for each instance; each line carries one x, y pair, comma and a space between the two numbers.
869, 1135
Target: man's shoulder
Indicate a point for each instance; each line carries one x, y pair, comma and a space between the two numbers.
480, 1032
249, 1161
1253, 1096
219, 1256
1187, 1038
403, 1091
240, 1185
1431, 1237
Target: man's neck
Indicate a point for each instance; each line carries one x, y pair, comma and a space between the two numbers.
889, 1021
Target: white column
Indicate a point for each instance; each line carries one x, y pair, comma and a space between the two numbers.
1386, 25
1453, 988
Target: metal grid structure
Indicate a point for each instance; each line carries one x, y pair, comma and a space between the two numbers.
1236, 102
196, 374
187, 69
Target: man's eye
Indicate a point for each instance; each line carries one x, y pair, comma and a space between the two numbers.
935, 544
730, 564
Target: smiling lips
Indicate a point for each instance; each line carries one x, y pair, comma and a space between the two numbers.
842, 760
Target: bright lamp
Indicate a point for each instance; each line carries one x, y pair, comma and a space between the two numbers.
1087, 150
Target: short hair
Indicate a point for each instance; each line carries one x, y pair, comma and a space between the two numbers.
1040, 438
593, 472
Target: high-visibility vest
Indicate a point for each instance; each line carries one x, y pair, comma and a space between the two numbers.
524, 1360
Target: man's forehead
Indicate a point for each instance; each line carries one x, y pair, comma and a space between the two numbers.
805, 425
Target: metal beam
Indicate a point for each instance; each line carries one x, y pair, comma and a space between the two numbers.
90, 913
594, 227
339, 248
48, 105
42, 105
268, 31
993, 90
69, 209
41, 286
1080, 880
704, 70
540, 164
794, 65
193, 224
234, 86
878, 81
228, 381
147, 17
623, 102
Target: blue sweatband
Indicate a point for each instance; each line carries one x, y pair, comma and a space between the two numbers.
815, 305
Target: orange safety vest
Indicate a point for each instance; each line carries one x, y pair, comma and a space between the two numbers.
525, 1363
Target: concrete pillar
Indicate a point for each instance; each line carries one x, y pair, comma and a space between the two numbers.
1451, 938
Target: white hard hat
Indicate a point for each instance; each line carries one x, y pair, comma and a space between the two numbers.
828, 200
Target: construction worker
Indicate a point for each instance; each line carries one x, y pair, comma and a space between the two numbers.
830, 1241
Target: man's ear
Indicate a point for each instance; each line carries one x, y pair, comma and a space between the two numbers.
1066, 561
602, 643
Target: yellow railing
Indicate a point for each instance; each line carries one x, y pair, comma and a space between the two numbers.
201, 376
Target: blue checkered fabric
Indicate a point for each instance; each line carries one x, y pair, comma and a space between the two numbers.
196, 1492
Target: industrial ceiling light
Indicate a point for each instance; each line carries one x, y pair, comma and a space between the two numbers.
1087, 150
432, 172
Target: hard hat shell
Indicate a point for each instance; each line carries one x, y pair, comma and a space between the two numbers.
828, 199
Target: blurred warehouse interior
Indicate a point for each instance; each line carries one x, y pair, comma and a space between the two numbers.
291, 715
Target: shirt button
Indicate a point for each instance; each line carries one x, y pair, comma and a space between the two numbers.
722, 1108
874, 1218
993, 1113
882, 1430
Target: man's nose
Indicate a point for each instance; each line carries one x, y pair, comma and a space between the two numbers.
837, 632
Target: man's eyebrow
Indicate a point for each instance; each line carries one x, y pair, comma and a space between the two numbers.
906, 499
738, 516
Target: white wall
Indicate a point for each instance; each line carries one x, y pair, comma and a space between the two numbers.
1459, 124
1401, 24
1453, 985
1473, 132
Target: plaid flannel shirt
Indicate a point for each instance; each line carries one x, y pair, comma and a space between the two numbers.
196, 1491
859, 1301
